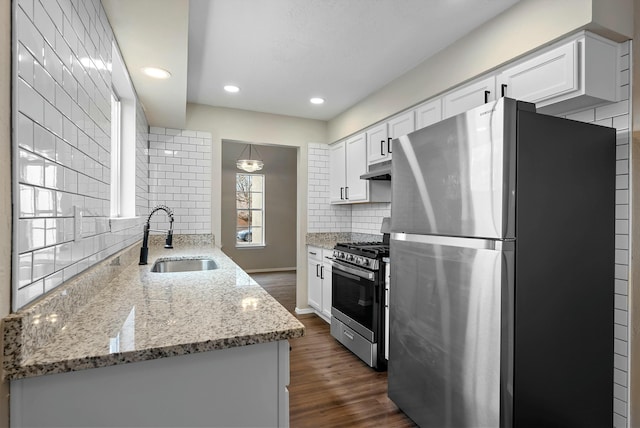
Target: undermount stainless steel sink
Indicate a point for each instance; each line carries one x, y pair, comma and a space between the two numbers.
183, 265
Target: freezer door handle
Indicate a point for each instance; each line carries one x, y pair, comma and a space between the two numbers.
455, 241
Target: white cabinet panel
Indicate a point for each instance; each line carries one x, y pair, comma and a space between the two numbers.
428, 114
326, 288
580, 73
225, 387
356, 190
337, 171
470, 96
377, 150
319, 281
550, 74
314, 283
398, 126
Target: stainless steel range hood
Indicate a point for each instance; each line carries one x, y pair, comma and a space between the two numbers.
380, 171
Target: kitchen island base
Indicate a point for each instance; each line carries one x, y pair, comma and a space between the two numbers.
236, 387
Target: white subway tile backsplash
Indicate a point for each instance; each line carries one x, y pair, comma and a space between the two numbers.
28, 293
180, 155
62, 128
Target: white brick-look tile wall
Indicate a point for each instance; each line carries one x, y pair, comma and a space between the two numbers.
180, 178
618, 115
366, 218
321, 215
62, 119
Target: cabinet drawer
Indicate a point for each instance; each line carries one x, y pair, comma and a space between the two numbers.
315, 253
352, 340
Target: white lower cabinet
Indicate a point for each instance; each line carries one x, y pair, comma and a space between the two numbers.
235, 387
319, 281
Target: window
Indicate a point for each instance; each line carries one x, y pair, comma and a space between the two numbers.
116, 120
123, 140
249, 210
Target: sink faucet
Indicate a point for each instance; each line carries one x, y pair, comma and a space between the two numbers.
144, 251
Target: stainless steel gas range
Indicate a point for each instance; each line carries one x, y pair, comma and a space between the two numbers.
358, 299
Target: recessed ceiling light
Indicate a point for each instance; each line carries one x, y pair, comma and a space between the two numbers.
231, 88
156, 73
317, 100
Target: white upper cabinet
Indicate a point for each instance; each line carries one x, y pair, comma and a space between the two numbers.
428, 113
356, 190
549, 74
337, 171
398, 126
576, 74
379, 137
347, 162
469, 96
377, 145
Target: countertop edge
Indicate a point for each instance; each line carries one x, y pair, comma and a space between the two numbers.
26, 371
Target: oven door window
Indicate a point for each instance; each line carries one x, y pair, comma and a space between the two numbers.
353, 296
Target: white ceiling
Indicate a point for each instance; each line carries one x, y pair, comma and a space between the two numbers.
283, 52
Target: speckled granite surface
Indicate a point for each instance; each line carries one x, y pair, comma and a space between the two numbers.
329, 239
140, 315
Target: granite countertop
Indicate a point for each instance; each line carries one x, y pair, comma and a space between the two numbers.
143, 315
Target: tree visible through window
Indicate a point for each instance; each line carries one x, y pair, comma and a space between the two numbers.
249, 209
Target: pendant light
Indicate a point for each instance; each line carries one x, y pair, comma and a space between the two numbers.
250, 164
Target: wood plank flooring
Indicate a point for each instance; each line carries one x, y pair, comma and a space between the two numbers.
330, 387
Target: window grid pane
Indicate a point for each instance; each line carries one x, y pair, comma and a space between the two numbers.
249, 209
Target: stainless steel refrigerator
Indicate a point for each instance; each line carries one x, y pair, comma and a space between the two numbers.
502, 270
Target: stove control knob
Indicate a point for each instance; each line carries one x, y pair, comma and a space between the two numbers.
350, 257
359, 260
366, 262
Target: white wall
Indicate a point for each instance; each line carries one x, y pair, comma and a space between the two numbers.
526, 26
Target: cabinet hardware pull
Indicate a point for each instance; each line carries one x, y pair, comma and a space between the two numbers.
486, 96
348, 334
341, 193
389, 144
322, 272
311, 252
503, 89
346, 192
317, 273
381, 147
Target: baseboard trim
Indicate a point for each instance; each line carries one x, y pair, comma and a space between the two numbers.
284, 269
305, 311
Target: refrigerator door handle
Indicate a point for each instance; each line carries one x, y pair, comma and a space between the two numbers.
454, 241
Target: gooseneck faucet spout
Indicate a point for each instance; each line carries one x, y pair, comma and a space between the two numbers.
144, 251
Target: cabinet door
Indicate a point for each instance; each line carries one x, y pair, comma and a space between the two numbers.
428, 114
545, 76
377, 144
337, 172
357, 190
326, 289
469, 97
314, 284
398, 126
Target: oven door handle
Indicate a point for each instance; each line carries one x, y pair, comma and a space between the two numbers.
360, 273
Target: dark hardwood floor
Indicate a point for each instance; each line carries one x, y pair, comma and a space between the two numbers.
329, 387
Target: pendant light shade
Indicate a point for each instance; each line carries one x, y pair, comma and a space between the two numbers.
249, 164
